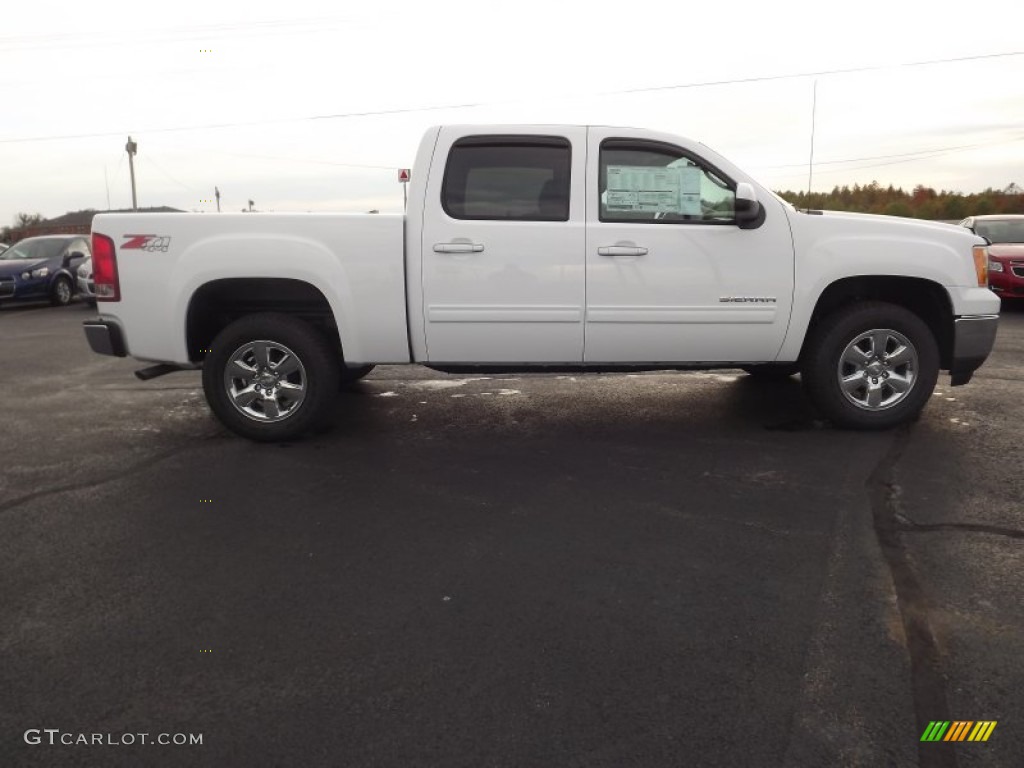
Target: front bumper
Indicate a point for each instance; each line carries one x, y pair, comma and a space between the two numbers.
16, 289
105, 337
973, 338
1009, 282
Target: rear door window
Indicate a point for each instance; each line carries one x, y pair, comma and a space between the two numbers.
508, 178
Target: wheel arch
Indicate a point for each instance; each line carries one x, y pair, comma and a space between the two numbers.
219, 302
925, 298
62, 273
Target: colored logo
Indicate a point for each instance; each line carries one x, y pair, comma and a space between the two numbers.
146, 243
959, 730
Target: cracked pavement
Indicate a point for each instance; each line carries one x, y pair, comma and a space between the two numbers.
655, 569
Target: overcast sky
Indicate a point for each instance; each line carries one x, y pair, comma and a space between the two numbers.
269, 101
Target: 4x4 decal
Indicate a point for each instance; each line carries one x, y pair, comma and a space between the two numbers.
146, 243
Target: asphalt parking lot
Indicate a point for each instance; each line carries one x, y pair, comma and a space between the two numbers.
610, 570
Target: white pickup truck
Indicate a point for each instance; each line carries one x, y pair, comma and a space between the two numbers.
547, 248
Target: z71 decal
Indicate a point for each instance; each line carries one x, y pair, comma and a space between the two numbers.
146, 243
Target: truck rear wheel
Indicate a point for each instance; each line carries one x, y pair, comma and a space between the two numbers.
270, 377
871, 365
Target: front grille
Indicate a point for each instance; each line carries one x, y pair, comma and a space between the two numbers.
1018, 271
6, 287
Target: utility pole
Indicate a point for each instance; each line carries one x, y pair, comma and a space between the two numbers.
251, 204
132, 148
216, 193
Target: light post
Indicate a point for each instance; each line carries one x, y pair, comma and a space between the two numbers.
132, 148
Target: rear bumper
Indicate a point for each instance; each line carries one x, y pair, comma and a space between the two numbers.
974, 336
105, 337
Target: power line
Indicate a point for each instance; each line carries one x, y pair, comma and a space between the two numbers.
148, 36
928, 156
473, 105
920, 154
155, 164
390, 168
819, 73
107, 134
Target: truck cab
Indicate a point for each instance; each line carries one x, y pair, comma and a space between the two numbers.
592, 246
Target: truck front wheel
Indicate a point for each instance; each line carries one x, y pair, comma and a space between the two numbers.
270, 377
871, 365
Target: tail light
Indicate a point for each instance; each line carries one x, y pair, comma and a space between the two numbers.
104, 269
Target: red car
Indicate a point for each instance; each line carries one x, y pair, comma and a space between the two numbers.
1006, 252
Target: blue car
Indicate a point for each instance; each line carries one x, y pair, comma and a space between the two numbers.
42, 268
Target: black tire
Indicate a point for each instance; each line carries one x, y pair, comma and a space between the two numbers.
61, 292
348, 375
845, 345
276, 412
772, 371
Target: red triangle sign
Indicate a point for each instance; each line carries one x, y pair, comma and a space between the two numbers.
403, 175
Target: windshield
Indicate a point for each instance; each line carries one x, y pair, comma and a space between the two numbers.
42, 248
999, 230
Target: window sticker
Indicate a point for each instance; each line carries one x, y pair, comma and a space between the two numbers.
654, 190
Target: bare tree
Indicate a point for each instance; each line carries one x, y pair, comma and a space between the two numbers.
22, 220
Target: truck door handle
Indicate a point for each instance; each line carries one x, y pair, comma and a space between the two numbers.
458, 248
621, 250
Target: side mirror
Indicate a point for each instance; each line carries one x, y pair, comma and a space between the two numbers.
749, 212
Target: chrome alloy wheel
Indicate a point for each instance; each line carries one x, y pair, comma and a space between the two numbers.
877, 369
265, 380
63, 289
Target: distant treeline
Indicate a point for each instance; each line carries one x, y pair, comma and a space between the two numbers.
923, 203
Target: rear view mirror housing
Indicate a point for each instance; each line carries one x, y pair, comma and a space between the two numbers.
749, 211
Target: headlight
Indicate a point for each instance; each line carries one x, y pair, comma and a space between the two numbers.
41, 272
995, 266
981, 262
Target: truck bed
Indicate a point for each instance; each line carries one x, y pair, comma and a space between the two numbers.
355, 261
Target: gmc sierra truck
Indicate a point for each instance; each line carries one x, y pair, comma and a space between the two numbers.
547, 248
